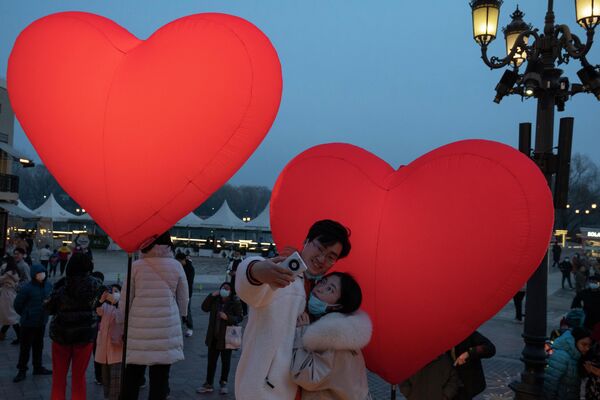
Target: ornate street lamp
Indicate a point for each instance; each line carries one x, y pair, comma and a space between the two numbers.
541, 53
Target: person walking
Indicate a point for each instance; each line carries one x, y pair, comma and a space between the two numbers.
190, 274
562, 380
63, 257
73, 327
467, 356
45, 254
109, 344
225, 310
518, 301
566, 269
556, 250
9, 281
589, 300
29, 304
158, 299
22, 266
53, 263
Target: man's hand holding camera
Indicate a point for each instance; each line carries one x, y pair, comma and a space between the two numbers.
272, 274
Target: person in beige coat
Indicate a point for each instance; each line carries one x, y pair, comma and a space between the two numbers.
327, 362
158, 299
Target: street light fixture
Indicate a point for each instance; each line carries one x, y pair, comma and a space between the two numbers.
542, 51
594, 205
485, 20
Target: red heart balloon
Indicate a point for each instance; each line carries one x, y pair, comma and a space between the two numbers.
139, 133
438, 246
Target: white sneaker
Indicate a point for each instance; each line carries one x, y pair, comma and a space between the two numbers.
188, 332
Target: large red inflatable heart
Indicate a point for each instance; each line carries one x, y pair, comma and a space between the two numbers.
141, 132
438, 246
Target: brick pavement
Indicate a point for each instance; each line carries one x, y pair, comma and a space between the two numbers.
187, 375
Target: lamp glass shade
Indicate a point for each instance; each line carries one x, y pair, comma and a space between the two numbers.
485, 22
521, 54
588, 13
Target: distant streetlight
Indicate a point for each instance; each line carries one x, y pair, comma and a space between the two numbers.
568, 206
587, 211
576, 211
594, 205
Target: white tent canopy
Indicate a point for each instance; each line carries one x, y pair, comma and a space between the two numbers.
262, 221
84, 217
191, 220
52, 210
223, 218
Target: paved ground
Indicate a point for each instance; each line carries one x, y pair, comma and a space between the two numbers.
186, 376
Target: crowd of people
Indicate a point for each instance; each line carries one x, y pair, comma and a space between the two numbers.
575, 346
302, 340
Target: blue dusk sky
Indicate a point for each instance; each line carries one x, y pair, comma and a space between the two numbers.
398, 78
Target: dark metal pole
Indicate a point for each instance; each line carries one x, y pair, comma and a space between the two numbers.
534, 355
393, 394
126, 327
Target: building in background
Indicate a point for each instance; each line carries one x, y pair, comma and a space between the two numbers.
9, 183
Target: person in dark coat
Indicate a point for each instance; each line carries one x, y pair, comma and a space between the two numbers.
438, 380
556, 250
566, 268
73, 328
466, 357
225, 310
590, 298
29, 304
190, 274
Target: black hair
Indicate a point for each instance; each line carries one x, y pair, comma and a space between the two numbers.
20, 250
579, 333
350, 293
99, 275
117, 286
11, 265
79, 265
330, 232
180, 256
164, 238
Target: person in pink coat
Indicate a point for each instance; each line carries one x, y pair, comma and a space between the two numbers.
109, 345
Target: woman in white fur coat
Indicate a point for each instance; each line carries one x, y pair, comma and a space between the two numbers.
327, 362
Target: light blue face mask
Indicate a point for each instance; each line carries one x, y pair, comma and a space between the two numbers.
316, 306
224, 292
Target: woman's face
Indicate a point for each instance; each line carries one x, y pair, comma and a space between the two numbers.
584, 345
328, 289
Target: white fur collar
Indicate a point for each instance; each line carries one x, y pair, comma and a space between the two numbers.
336, 331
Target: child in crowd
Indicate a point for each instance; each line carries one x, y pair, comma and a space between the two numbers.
592, 367
109, 344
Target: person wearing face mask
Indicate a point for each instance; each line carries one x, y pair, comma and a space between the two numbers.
109, 346
327, 362
225, 310
276, 298
566, 269
590, 299
29, 304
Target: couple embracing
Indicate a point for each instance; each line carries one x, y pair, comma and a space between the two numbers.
305, 333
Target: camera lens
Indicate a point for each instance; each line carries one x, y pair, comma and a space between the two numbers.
294, 265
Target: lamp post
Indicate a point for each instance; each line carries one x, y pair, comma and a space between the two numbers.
541, 52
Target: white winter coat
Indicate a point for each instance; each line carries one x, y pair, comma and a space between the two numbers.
158, 300
263, 372
327, 361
